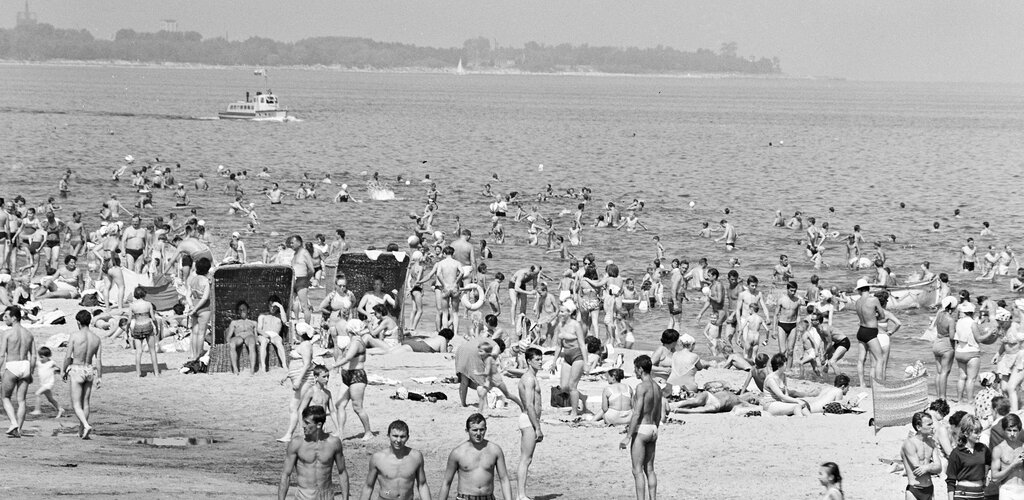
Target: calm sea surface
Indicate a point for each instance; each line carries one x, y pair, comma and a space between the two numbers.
860, 148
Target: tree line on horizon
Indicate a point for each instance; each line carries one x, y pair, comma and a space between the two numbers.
42, 42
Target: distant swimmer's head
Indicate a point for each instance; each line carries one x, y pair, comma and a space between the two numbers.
726, 211
935, 225
903, 205
956, 213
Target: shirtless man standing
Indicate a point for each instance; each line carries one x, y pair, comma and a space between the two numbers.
18, 358
275, 195
312, 456
529, 420
675, 306
751, 296
732, 295
302, 267
464, 253
517, 292
133, 244
716, 299
476, 461
642, 433
447, 274
83, 368
398, 469
921, 457
4, 241
868, 312
787, 316
728, 234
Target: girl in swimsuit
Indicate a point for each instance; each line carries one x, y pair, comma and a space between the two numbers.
570, 340
830, 478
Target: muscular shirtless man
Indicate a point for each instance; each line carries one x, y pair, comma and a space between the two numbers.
447, 273
868, 312
476, 460
642, 433
787, 316
83, 368
398, 470
311, 457
133, 244
18, 358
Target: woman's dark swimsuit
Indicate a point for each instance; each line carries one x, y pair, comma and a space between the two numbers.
352, 377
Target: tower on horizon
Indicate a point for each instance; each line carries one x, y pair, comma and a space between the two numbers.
170, 25
26, 18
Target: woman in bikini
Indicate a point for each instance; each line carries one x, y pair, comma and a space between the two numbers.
353, 375
143, 329
386, 329
616, 400
569, 343
337, 305
76, 234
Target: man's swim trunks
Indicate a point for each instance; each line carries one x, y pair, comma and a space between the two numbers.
865, 334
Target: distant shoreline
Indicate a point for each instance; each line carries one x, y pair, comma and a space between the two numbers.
408, 70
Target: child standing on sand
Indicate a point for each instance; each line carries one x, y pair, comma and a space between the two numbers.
750, 330
47, 370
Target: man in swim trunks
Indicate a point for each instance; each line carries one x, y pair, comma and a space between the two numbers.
716, 299
398, 469
447, 274
517, 292
18, 359
529, 420
311, 457
728, 234
83, 368
787, 315
302, 266
968, 253
922, 457
275, 195
676, 292
868, 312
476, 461
465, 253
642, 433
133, 242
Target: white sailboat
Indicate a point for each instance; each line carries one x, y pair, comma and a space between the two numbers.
460, 70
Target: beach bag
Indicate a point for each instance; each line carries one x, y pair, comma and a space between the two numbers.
559, 398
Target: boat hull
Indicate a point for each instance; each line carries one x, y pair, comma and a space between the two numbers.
279, 114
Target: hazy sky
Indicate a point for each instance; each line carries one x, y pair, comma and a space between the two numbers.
865, 40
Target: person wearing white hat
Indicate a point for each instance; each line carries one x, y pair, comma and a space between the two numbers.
869, 310
685, 365
942, 347
353, 376
570, 342
968, 335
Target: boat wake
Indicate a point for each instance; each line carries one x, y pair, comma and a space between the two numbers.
77, 112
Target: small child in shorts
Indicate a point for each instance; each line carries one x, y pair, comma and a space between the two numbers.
47, 370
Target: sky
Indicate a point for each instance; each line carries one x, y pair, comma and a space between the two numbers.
879, 40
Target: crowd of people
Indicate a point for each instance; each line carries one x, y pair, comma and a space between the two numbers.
580, 319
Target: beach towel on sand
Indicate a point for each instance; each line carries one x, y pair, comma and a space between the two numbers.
895, 402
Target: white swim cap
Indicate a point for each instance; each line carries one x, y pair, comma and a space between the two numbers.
949, 302
129, 158
540, 167
201, 223
344, 186
966, 307
1003, 315
687, 339
826, 294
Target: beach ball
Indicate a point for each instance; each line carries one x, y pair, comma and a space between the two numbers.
540, 167
693, 204
414, 241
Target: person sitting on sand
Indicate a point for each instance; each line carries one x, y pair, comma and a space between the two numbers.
685, 365
616, 400
733, 360
269, 327
779, 400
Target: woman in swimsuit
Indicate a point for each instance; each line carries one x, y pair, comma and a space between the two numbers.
1008, 460
942, 347
143, 329
685, 365
269, 326
616, 400
589, 297
353, 375
386, 329
888, 324
200, 311
241, 332
570, 340
300, 373
337, 305
778, 399
31, 235
54, 233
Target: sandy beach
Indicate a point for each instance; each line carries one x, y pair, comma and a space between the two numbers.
709, 456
